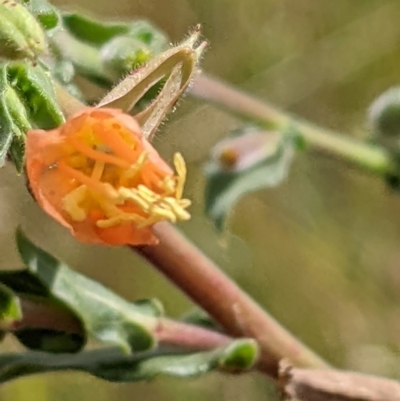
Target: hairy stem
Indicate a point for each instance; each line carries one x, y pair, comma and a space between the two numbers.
229, 305
374, 159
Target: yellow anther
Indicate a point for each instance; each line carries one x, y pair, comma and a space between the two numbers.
147, 194
176, 208
169, 185
164, 213
180, 168
133, 195
71, 203
135, 168
185, 203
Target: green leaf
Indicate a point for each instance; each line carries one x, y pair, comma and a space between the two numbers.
98, 33
114, 366
43, 306
22, 281
20, 125
248, 161
92, 31
105, 316
10, 308
26, 98
6, 127
46, 13
52, 341
35, 86
199, 317
14, 122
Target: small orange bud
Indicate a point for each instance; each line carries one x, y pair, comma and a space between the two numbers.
98, 176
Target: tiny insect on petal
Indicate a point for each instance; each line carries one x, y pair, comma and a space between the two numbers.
98, 176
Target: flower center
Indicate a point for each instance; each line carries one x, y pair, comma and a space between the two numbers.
118, 182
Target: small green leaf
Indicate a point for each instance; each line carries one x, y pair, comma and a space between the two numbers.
35, 86
92, 31
106, 316
10, 308
239, 355
46, 13
244, 163
199, 317
114, 366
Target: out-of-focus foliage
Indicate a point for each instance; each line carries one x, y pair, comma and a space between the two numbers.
247, 161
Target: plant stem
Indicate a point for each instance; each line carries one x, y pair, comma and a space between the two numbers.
182, 335
230, 306
40, 314
372, 158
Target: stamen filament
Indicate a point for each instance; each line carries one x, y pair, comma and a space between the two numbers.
180, 167
115, 142
96, 155
98, 170
103, 188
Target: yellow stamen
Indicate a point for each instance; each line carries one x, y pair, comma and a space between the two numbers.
165, 204
176, 208
71, 203
134, 169
169, 185
180, 167
132, 194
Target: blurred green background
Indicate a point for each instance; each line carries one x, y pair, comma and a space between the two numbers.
321, 252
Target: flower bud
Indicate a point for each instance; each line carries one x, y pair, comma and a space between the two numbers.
242, 152
21, 36
384, 119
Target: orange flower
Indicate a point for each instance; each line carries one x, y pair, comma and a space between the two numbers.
98, 176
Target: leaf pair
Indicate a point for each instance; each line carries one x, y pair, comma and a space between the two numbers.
47, 294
